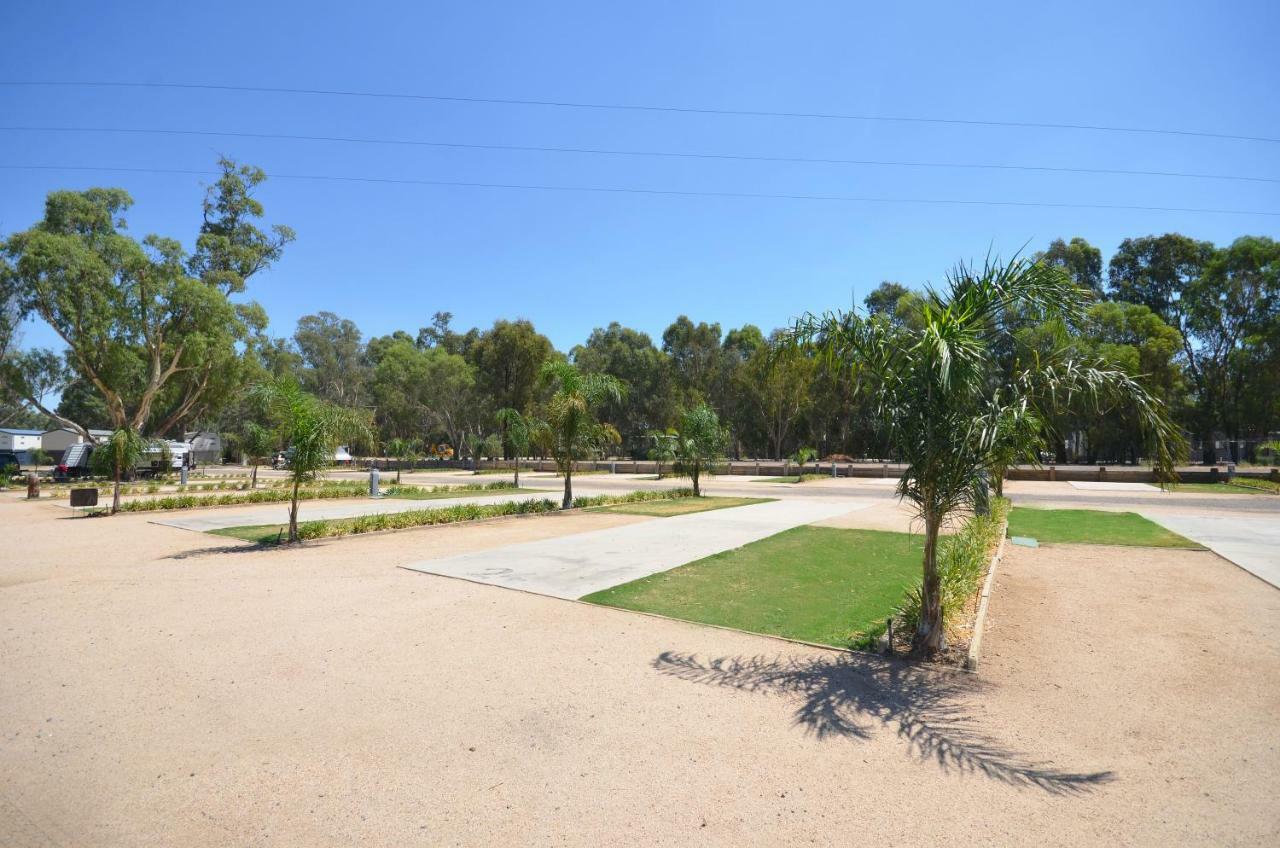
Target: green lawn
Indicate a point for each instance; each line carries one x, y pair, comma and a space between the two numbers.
683, 506
1092, 527
1253, 487
819, 584
791, 478
263, 534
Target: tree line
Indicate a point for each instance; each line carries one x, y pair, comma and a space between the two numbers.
160, 340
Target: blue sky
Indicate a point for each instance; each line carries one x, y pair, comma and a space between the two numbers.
388, 256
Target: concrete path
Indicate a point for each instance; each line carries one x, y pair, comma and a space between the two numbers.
573, 566
1251, 543
1113, 487
278, 513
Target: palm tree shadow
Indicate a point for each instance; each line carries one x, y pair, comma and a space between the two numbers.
847, 695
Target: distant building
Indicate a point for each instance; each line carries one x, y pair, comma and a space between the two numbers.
55, 442
19, 441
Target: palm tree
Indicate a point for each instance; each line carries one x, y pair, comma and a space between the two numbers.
941, 394
311, 428
699, 442
403, 450
517, 430
258, 444
571, 432
663, 448
118, 455
801, 457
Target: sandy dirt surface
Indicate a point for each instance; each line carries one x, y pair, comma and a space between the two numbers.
161, 687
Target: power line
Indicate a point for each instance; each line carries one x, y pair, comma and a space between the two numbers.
648, 153
635, 107
658, 192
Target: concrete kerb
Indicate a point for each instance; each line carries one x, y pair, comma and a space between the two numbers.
984, 600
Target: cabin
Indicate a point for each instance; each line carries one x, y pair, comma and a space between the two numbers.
19, 441
56, 442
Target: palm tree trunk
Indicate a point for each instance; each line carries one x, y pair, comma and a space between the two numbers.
517, 472
697, 491
568, 487
929, 636
293, 512
115, 497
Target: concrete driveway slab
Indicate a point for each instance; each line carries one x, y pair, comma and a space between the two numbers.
573, 566
1113, 487
1251, 543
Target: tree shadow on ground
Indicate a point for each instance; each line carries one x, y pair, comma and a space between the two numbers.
846, 696
245, 548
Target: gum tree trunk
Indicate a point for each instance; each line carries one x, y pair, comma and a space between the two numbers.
929, 636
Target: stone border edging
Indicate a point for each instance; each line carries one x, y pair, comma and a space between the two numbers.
975, 644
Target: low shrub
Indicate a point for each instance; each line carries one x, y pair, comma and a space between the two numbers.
467, 512
588, 501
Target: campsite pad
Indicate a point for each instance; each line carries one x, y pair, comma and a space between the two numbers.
577, 565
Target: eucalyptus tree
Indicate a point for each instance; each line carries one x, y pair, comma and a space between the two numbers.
571, 431
312, 429
151, 328
516, 428
941, 393
698, 443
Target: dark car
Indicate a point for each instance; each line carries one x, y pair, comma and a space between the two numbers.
8, 458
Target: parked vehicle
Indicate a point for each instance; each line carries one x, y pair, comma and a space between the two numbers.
74, 464
9, 458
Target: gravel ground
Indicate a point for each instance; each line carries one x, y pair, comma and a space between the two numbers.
166, 688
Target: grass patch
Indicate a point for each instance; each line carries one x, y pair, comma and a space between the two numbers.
682, 506
819, 584
1236, 487
792, 478
1093, 527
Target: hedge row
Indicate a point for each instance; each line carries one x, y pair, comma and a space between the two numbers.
327, 490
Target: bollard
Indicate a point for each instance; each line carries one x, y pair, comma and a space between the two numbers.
373, 482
